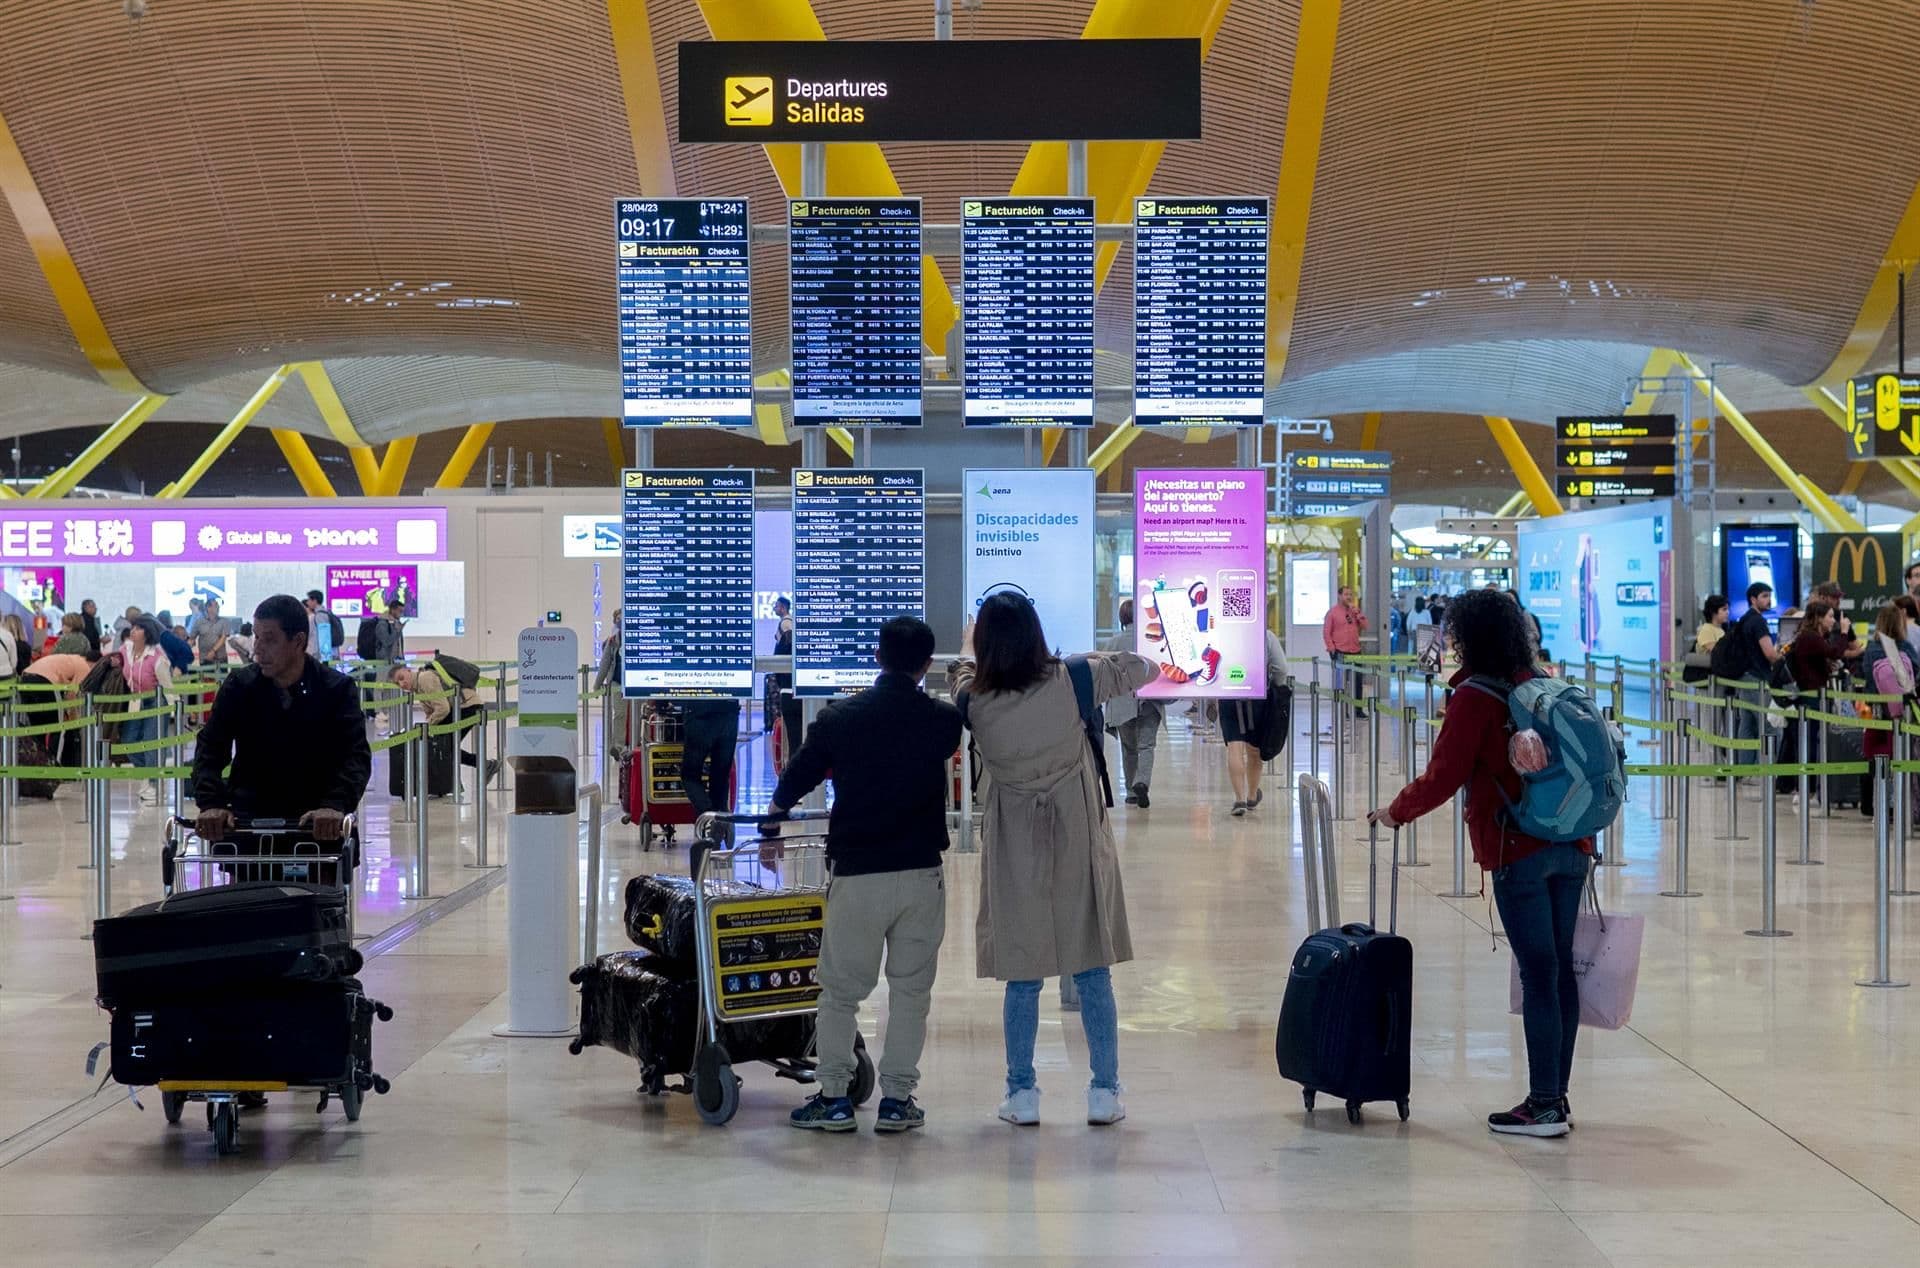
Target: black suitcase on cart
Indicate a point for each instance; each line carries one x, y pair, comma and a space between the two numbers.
198, 943
440, 766
660, 917
1845, 744
302, 1033
1346, 1023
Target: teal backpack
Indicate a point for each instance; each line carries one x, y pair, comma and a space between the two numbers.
1584, 783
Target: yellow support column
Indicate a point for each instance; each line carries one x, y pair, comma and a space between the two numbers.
465, 454
1299, 164
1113, 446
1532, 483
63, 481
306, 469
255, 403
367, 467
611, 430
393, 467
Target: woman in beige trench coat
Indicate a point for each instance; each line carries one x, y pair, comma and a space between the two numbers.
1050, 896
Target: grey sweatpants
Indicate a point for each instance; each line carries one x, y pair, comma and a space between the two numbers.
1137, 738
904, 913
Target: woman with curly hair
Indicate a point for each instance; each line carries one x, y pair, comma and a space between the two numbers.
1537, 884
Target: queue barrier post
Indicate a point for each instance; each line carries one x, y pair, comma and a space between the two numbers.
1428, 674
1681, 824
1800, 735
10, 754
1460, 889
480, 799
500, 728
1313, 724
967, 845
1339, 757
1882, 885
100, 830
1373, 829
1373, 756
419, 767
1733, 781
1897, 882
1826, 802
586, 716
1608, 858
593, 795
459, 739
179, 758
1769, 872
1407, 716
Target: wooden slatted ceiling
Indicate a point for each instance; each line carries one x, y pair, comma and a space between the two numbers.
32, 329
1695, 174
228, 174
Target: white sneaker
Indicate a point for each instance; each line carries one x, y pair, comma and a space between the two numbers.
1104, 1107
1021, 1108
149, 797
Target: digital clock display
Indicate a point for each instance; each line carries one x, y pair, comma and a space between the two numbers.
686, 309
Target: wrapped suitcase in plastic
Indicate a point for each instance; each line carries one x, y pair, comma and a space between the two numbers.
243, 935
1846, 744
660, 918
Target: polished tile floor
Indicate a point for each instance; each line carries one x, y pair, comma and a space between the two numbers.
1758, 1110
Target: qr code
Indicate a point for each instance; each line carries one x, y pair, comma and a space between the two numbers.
1236, 601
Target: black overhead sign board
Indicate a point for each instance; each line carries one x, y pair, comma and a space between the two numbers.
753, 92
1614, 428
1584, 485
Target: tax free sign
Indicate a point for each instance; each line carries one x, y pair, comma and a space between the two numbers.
1030, 531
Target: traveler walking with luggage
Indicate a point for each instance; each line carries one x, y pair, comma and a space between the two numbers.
887, 751
1537, 883
1135, 723
149, 675
711, 734
435, 682
1050, 894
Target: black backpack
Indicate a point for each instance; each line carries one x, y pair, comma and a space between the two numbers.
1093, 719
339, 632
367, 641
463, 672
1729, 657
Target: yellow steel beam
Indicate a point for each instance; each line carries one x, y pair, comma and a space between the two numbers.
1114, 445
1370, 430
393, 467
1659, 365
842, 439
327, 401
57, 266
1904, 470
855, 169
611, 430
366, 467
1299, 163
1825, 509
1536, 486
306, 468
1050, 444
1856, 472
766, 418
255, 403
63, 481
467, 452
640, 85
1513, 506
1876, 309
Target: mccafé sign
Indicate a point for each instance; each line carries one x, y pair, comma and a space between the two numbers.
940, 90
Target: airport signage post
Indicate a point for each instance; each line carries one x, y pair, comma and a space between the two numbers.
1615, 456
1885, 412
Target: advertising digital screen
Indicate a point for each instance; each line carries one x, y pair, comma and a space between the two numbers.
1599, 582
1200, 584
46, 586
590, 536
1031, 531
1027, 282
355, 590
686, 589
175, 588
859, 559
1199, 311
686, 311
1767, 553
1309, 589
772, 575
854, 281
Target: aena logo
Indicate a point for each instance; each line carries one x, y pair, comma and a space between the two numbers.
988, 492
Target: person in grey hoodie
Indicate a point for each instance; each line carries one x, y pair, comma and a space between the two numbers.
1133, 722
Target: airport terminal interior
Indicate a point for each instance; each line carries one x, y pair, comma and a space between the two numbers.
461, 458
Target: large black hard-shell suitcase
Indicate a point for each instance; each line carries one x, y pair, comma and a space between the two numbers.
660, 918
1845, 744
201, 941
1346, 1023
440, 766
304, 1033
655, 1018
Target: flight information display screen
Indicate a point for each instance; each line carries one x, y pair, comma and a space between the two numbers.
859, 560
854, 277
1027, 279
686, 311
1200, 311
686, 583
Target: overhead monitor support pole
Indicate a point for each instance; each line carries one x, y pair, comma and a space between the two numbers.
1077, 188
813, 440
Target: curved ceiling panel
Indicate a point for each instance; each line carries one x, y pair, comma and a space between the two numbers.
1692, 174
1536, 380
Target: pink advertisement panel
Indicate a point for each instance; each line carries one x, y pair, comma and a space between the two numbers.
1200, 577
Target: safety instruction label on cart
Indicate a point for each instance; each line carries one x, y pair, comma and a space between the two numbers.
766, 953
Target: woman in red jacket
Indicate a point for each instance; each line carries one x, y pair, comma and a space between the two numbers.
1537, 884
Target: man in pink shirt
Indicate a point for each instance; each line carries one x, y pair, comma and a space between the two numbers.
1340, 633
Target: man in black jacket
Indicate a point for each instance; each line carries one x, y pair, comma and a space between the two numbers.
889, 751
292, 730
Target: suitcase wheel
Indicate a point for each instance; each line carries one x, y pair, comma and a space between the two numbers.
224, 1122
1404, 1110
171, 1104
1306, 1094
1353, 1112
383, 1012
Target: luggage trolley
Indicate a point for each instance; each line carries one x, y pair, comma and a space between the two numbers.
302, 862
652, 793
760, 910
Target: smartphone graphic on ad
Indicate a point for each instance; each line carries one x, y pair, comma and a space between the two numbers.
1180, 631
1760, 568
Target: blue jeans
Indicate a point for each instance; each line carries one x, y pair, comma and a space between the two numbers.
1539, 901
1099, 1019
1747, 725
137, 730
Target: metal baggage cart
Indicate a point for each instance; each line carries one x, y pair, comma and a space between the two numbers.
760, 909
290, 859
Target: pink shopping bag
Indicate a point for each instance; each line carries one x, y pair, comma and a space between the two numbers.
1606, 959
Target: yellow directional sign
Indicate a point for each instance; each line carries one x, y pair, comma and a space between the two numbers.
1885, 413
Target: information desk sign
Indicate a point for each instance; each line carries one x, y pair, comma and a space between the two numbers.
854, 277
686, 309
1885, 409
1027, 282
687, 583
859, 559
1621, 486
1199, 311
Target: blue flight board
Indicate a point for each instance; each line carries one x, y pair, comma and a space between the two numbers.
1027, 287
1199, 311
686, 583
859, 560
854, 281
686, 312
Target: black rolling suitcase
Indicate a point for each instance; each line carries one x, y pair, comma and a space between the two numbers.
1845, 744
301, 1033
1346, 1023
440, 765
199, 942
659, 917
